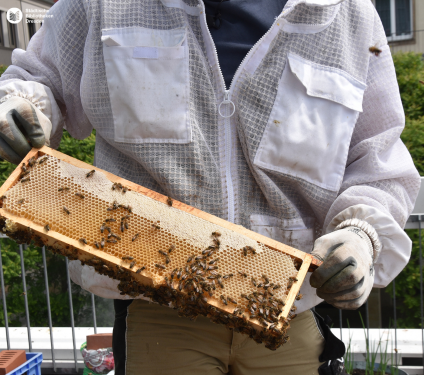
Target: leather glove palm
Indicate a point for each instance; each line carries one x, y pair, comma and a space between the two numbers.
22, 126
346, 277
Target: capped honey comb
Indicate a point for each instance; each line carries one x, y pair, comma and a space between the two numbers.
157, 247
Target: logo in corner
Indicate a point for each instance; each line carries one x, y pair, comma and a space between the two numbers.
14, 15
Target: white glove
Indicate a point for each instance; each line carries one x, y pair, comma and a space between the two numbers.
22, 126
100, 285
346, 277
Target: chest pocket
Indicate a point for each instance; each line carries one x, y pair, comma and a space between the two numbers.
148, 80
310, 126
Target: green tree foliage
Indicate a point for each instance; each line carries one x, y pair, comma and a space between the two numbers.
410, 71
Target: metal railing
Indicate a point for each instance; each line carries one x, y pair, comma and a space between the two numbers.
414, 222
27, 314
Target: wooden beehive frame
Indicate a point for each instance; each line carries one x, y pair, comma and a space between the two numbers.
88, 252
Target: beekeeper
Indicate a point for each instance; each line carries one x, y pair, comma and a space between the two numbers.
280, 120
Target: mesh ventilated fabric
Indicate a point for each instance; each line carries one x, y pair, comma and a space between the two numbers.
66, 55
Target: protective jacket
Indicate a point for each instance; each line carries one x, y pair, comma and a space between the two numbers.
307, 136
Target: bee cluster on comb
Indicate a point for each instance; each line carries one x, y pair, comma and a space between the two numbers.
156, 247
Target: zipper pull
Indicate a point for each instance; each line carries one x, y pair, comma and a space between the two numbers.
225, 102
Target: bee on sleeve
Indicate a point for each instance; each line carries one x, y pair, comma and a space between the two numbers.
375, 51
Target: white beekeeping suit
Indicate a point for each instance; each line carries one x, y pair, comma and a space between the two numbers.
306, 137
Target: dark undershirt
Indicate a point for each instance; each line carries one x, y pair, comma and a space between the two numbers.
243, 23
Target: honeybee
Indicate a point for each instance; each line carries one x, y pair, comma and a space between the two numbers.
111, 220
114, 236
242, 274
225, 277
102, 243
83, 240
216, 242
3, 197
220, 283
122, 227
277, 286
254, 281
216, 234
163, 253
127, 257
223, 299
24, 168
251, 249
245, 251
132, 264
167, 260
293, 278
171, 248
140, 269
232, 300
161, 266
64, 188
79, 195
106, 267
375, 51
169, 201
89, 174
112, 240
135, 237
126, 224
23, 174
47, 227
108, 229
125, 189
179, 273
43, 159
31, 161
265, 278
96, 244
66, 210
156, 226
299, 297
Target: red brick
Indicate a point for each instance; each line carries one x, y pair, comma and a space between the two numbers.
10, 359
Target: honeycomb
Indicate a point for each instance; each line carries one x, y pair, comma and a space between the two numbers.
189, 260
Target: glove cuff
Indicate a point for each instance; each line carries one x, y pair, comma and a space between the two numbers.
369, 230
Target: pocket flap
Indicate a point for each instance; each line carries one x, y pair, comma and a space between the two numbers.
142, 37
328, 83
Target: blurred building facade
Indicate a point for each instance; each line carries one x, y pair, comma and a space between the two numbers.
19, 34
403, 21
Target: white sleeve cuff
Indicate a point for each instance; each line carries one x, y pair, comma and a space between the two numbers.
42, 98
395, 248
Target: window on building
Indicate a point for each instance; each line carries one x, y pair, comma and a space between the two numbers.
396, 16
1, 30
31, 27
12, 35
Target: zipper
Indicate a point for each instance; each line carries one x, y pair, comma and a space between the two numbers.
227, 100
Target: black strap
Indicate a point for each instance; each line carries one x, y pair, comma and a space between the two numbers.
334, 348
